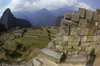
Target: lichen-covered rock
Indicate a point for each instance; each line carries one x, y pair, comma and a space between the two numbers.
65, 22
82, 12
76, 59
75, 17
96, 16
75, 30
83, 23
89, 15
65, 30
67, 16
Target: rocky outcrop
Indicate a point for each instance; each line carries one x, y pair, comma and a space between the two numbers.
9, 21
78, 40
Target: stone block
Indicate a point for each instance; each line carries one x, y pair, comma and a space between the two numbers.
71, 38
98, 32
59, 47
84, 31
82, 12
96, 24
76, 59
85, 44
88, 49
88, 38
52, 55
36, 62
65, 30
82, 53
74, 31
75, 17
67, 47
73, 43
92, 31
83, 23
96, 16
67, 16
78, 48
60, 43
70, 53
50, 45
92, 44
59, 36
89, 15
76, 52
65, 22
97, 38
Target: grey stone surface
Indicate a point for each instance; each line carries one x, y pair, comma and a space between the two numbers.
88, 38
75, 30
82, 12
59, 36
78, 48
65, 30
73, 43
65, 22
72, 38
85, 44
98, 32
59, 47
96, 16
88, 48
67, 47
84, 31
75, 17
50, 45
89, 14
36, 62
29, 64
83, 23
67, 16
76, 59
52, 55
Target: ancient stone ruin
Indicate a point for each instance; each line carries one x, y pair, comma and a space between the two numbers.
78, 41
46, 33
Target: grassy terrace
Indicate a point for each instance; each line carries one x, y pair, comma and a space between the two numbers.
21, 49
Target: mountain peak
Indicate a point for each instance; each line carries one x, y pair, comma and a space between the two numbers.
7, 10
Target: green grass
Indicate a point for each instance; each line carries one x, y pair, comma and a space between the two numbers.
25, 49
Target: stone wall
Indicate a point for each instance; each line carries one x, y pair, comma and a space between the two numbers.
46, 33
79, 37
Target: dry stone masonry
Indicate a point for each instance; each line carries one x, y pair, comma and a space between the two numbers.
46, 33
79, 36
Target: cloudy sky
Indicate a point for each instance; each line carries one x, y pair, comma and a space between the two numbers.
32, 5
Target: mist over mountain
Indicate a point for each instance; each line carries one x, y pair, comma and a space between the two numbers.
43, 17
9, 21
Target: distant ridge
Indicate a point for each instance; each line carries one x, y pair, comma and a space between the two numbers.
9, 21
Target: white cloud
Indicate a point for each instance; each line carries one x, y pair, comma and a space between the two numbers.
26, 5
